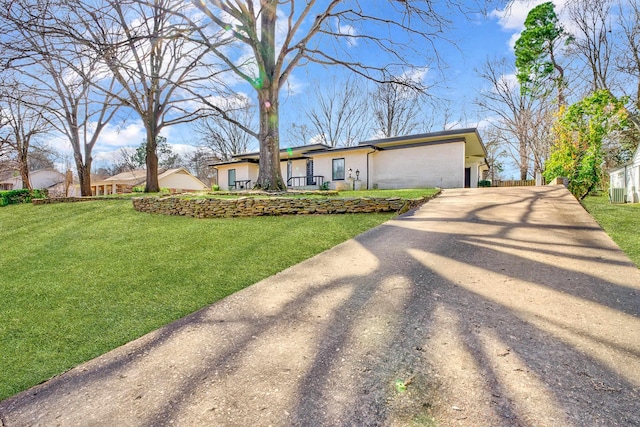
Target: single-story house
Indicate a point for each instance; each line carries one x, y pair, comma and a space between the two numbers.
41, 179
176, 180
624, 181
447, 159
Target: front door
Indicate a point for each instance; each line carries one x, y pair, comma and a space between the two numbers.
289, 172
310, 172
467, 177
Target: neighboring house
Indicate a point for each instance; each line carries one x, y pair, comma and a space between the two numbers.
176, 180
40, 179
624, 181
447, 159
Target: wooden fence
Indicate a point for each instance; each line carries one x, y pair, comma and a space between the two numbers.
514, 183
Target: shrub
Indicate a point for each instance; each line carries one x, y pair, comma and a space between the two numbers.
484, 183
138, 189
325, 186
13, 197
215, 187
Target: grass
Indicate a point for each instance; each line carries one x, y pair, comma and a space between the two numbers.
621, 222
79, 279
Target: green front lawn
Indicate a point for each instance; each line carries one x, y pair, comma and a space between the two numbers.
621, 222
79, 279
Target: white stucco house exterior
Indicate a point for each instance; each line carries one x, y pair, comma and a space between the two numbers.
447, 159
625, 181
40, 179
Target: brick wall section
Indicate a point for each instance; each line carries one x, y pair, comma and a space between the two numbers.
249, 206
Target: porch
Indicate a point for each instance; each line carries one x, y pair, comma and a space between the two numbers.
308, 182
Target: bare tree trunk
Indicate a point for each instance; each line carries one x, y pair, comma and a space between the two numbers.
524, 163
83, 168
152, 185
24, 169
84, 174
269, 176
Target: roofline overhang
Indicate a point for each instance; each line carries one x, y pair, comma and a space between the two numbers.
233, 162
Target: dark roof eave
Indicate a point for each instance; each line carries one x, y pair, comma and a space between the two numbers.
354, 147
233, 162
440, 134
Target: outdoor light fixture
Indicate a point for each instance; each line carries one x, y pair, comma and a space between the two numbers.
349, 172
357, 174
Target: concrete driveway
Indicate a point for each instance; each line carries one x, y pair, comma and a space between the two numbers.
485, 307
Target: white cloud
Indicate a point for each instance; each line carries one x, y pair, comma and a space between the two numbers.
294, 86
184, 150
349, 31
510, 80
129, 134
317, 139
512, 17
416, 75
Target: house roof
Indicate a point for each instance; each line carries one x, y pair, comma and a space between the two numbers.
234, 161
298, 152
133, 177
474, 146
139, 177
470, 136
14, 176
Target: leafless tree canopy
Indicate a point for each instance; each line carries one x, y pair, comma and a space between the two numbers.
322, 33
521, 122
221, 136
398, 110
64, 75
23, 123
339, 113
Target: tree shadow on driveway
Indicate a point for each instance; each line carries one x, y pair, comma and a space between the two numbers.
499, 307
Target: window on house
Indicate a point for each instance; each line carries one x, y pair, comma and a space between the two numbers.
232, 178
338, 170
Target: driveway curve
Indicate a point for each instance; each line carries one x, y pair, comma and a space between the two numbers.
484, 307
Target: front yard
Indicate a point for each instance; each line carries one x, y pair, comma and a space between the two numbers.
621, 222
79, 279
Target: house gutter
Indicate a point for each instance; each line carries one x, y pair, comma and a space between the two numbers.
370, 152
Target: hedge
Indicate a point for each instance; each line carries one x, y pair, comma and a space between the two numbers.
13, 197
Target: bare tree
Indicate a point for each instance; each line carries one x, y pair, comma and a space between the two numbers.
300, 134
63, 74
221, 134
592, 40
23, 124
495, 153
199, 164
145, 48
397, 109
521, 120
339, 113
320, 32
628, 55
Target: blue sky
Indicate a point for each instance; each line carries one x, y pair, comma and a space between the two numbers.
474, 40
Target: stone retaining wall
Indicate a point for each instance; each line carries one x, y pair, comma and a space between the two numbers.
248, 206
52, 200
